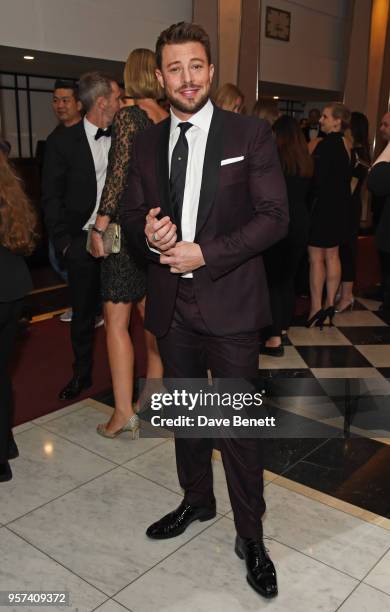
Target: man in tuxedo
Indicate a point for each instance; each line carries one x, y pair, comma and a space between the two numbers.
313, 130
210, 185
74, 173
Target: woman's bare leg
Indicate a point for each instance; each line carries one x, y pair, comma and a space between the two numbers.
121, 358
317, 278
333, 274
346, 295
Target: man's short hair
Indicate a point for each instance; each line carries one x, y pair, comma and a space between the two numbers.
93, 85
67, 84
182, 32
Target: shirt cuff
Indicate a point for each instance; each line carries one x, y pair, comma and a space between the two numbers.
151, 248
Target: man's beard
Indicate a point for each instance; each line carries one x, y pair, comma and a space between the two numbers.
188, 108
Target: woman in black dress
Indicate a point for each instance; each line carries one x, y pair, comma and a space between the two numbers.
361, 151
123, 279
282, 260
18, 237
332, 186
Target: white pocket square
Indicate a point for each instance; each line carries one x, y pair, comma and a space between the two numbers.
231, 160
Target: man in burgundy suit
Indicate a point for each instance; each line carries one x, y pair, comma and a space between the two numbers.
210, 186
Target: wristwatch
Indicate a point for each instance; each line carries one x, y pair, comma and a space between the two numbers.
98, 231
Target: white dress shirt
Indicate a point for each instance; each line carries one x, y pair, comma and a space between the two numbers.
99, 149
197, 140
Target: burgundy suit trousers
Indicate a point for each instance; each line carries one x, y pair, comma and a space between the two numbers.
187, 351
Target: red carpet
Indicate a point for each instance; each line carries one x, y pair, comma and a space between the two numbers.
43, 365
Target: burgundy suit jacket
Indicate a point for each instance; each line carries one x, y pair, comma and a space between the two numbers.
242, 211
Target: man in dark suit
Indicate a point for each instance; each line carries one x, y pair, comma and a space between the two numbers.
313, 130
220, 197
73, 179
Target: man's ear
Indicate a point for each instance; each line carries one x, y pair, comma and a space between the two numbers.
101, 102
211, 72
159, 77
79, 106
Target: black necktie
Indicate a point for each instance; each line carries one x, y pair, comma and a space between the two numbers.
101, 132
178, 173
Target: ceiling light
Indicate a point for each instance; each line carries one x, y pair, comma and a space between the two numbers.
28, 57
276, 97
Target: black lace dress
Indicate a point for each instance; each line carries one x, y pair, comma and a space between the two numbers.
122, 277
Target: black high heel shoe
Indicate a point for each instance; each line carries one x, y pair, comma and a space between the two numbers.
327, 313
315, 318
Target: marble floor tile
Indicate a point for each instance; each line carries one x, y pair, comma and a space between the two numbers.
329, 336
377, 355
317, 407
80, 427
207, 575
333, 357
62, 412
346, 373
354, 470
379, 577
357, 318
159, 465
281, 454
366, 599
371, 305
367, 335
283, 373
47, 467
23, 427
344, 542
98, 530
291, 360
23, 567
111, 606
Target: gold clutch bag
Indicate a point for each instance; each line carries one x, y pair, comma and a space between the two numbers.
111, 238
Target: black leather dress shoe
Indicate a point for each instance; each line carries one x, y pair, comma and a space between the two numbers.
74, 388
176, 522
272, 351
5, 472
261, 571
13, 450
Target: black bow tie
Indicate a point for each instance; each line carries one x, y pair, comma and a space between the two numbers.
101, 132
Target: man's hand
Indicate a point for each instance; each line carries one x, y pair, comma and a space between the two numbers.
97, 249
184, 257
160, 233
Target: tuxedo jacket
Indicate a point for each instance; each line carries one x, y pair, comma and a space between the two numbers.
242, 211
68, 184
306, 133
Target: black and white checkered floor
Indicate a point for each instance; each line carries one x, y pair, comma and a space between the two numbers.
357, 346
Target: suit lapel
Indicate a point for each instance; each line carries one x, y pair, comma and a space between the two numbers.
163, 169
211, 168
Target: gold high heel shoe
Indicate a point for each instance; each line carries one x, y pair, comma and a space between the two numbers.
349, 306
132, 426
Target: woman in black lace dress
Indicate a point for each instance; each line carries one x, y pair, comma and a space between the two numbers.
123, 279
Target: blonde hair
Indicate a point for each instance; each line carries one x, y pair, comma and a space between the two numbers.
227, 95
266, 110
139, 75
340, 111
18, 219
